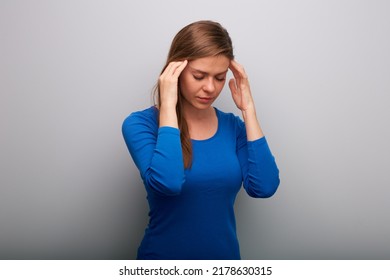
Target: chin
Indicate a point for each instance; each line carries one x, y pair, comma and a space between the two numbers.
203, 106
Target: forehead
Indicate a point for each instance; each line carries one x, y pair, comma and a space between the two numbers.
210, 64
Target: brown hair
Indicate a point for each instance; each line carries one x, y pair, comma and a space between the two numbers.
196, 40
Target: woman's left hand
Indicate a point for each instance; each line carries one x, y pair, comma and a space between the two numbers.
239, 86
242, 96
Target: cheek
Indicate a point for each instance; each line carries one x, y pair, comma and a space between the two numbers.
187, 85
220, 87
182, 83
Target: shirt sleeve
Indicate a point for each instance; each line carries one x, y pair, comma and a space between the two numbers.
259, 170
156, 153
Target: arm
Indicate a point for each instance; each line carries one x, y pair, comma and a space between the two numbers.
260, 173
156, 153
158, 156
259, 170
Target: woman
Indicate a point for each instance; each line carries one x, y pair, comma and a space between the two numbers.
193, 158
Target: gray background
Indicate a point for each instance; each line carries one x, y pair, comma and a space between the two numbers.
71, 71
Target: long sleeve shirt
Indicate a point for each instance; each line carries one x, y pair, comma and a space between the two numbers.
192, 210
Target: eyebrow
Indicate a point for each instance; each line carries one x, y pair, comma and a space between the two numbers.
205, 73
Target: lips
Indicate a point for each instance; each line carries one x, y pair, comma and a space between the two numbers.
205, 99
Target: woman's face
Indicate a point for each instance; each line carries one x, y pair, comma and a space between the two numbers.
202, 80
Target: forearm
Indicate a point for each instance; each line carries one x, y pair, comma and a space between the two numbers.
165, 174
168, 116
252, 125
261, 174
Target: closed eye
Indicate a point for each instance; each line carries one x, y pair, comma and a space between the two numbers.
201, 77
198, 78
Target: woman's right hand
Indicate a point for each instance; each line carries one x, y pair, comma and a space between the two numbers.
168, 83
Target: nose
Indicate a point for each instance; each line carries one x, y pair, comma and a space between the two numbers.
209, 85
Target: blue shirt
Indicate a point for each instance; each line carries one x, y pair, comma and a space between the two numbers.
192, 210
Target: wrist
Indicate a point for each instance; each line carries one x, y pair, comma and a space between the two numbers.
249, 112
167, 106
167, 115
252, 125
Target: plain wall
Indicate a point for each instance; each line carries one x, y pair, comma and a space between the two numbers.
71, 71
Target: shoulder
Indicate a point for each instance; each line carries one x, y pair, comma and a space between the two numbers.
144, 119
231, 125
147, 116
229, 119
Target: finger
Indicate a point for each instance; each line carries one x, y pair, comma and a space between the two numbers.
170, 69
238, 70
236, 66
180, 67
233, 86
233, 66
236, 73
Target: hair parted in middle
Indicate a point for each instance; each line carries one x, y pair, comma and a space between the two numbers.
197, 40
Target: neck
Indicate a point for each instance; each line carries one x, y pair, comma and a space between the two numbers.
192, 114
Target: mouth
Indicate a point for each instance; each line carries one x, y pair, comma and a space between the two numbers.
205, 99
